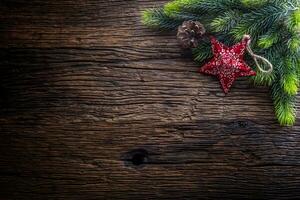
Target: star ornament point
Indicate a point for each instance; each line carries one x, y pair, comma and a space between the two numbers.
227, 63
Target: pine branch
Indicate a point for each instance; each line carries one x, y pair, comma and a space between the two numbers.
156, 18
226, 21
289, 78
202, 52
258, 22
284, 105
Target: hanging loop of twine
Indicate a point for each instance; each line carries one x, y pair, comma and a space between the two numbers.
256, 57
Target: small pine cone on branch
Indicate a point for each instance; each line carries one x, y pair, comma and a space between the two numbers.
190, 33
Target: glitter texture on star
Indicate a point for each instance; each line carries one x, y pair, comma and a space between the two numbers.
228, 63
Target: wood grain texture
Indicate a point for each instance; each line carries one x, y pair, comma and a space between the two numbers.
96, 106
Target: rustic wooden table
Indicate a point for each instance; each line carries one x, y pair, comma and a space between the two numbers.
96, 106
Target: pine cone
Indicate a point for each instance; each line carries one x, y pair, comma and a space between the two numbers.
189, 34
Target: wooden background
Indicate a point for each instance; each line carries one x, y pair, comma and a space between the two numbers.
96, 106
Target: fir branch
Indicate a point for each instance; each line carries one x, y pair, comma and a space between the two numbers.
269, 39
202, 52
289, 75
253, 3
284, 105
213, 7
156, 18
226, 21
258, 22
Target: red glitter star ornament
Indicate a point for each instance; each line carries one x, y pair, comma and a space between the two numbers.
228, 63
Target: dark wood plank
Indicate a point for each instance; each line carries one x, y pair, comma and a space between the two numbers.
96, 106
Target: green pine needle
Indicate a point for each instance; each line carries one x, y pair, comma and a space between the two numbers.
285, 113
263, 78
294, 21
202, 52
175, 7
294, 43
267, 41
156, 18
291, 84
253, 3
284, 105
225, 22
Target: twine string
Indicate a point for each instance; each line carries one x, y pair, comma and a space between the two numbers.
258, 57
